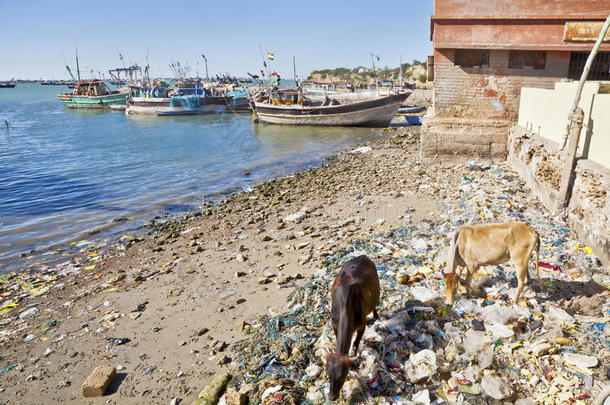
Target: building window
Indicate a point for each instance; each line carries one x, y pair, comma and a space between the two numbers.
525, 59
471, 57
600, 68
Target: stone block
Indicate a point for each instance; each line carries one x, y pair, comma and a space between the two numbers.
98, 381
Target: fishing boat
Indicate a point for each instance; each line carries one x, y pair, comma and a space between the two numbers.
92, 94
157, 100
7, 85
290, 107
182, 105
411, 110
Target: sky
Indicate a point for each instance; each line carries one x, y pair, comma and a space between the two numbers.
37, 38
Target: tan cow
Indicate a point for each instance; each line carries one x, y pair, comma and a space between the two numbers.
479, 245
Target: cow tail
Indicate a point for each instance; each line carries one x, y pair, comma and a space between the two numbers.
538, 261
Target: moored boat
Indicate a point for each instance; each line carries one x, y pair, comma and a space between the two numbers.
291, 108
92, 94
182, 105
7, 85
157, 101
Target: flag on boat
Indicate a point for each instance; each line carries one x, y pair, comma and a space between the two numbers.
270, 56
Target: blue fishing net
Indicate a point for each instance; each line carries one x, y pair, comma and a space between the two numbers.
185, 102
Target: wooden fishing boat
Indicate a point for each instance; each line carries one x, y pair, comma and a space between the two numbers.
7, 85
291, 108
92, 94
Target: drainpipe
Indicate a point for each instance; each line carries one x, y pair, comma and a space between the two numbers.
584, 75
575, 119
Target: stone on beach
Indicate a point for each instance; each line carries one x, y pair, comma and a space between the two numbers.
211, 394
98, 381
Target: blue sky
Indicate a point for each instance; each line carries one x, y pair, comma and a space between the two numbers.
36, 37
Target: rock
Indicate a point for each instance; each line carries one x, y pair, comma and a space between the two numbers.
98, 381
495, 387
421, 365
524, 401
240, 274
267, 238
234, 397
223, 360
175, 401
210, 395
202, 331
580, 360
305, 259
48, 352
296, 217
241, 258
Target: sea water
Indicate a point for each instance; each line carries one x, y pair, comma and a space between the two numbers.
68, 175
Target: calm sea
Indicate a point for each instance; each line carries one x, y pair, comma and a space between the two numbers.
68, 175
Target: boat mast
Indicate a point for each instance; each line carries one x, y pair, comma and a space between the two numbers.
77, 67
294, 71
207, 77
400, 70
375, 72
264, 63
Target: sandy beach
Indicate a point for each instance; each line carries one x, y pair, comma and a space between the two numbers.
165, 308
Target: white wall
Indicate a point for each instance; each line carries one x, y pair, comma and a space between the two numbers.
545, 112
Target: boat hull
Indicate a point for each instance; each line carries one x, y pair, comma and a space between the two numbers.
370, 113
93, 102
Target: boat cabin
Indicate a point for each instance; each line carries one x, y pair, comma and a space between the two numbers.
91, 88
285, 97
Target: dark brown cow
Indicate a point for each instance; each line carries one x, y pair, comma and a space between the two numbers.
355, 294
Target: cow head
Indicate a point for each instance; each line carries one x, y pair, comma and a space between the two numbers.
451, 286
337, 366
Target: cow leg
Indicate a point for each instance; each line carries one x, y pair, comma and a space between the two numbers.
522, 279
375, 314
472, 267
359, 334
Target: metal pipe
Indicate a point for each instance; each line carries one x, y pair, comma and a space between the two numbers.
584, 75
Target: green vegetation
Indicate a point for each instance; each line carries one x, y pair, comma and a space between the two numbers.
423, 78
385, 73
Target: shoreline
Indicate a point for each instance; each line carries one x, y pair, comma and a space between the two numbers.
182, 294
41, 258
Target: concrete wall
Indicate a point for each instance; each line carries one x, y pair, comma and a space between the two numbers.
545, 113
537, 162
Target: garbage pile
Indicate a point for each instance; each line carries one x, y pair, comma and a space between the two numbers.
552, 349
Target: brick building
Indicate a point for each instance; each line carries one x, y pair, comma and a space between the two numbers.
485, 51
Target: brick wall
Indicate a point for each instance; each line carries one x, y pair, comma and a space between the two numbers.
489, 92
473, 108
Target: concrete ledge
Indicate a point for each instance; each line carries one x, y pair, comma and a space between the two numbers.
448, 139
537, 161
